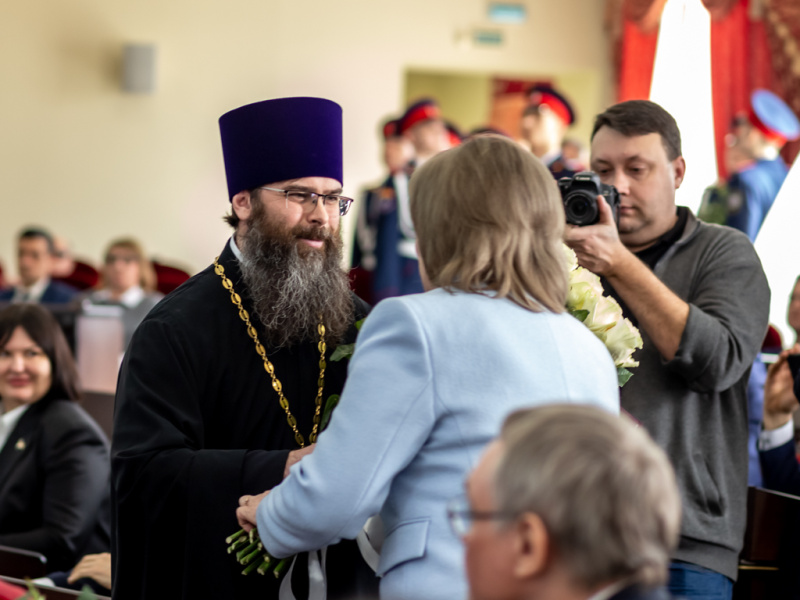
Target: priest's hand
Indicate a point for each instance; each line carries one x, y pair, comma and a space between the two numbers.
246, 513
295, 456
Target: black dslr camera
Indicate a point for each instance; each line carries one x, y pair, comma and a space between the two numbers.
580, 198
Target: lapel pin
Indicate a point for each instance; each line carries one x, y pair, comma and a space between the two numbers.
20, 445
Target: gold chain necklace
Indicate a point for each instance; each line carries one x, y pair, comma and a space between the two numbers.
270, 368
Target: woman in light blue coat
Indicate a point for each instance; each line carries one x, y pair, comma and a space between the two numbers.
435, 374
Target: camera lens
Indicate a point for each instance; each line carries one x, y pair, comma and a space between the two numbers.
580, 208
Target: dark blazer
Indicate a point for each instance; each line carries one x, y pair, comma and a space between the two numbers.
54, 484
55, 293
780, 469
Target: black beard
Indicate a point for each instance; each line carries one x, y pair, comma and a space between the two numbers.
292, 284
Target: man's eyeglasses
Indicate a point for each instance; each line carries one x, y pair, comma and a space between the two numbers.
461, 516
333, 203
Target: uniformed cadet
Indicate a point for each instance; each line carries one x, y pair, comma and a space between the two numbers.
759, 171
390, 247
543, 126
379, 202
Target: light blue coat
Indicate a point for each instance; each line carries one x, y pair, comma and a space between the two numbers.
431, 381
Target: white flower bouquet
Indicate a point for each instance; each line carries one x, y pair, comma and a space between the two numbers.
603, 316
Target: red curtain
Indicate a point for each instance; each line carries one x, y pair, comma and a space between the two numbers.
754, 44
740, 63
637, 56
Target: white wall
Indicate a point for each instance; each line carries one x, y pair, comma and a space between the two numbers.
90, 162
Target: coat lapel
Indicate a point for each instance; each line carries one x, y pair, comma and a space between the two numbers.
19, 442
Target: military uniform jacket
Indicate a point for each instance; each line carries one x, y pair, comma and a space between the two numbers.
198, 424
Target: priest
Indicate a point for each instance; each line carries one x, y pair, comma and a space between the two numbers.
224, 382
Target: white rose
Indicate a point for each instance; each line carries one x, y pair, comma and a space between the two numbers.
622, 340
572, 259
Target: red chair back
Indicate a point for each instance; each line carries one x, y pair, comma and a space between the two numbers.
83, 277
168, 277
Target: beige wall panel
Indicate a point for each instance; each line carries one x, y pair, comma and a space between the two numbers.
90, 162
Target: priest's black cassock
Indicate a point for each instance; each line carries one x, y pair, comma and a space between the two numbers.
197, 425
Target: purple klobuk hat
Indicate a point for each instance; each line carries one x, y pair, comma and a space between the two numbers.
277, 140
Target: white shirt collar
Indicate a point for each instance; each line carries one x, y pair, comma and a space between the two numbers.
235, 249
9, 420
34, 292
131, 298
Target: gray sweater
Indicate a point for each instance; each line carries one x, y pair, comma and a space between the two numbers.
695, 406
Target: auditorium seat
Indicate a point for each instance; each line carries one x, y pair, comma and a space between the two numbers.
83, 277
769, 558
15, 562
168, 277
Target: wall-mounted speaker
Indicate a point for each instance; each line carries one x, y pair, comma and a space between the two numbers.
139, 68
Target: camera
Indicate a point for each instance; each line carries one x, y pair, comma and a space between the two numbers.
580, 198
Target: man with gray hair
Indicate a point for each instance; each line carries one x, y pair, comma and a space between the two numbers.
570, 503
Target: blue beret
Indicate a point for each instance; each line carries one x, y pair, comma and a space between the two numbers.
277, 140
773, 117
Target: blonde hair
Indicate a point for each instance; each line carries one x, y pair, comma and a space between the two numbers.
488, 215
147, 274
605, 491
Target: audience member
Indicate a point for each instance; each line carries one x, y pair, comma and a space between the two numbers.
779, 465
777, 450
756, 388
434, 374
701, 301
54, 463
570, 503
543, 126
128, 282
93, 570
35, 255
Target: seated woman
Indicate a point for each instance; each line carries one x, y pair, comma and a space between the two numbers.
54, 460
434, 374
128, 282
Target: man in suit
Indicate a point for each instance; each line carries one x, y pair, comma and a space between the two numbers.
569, 503
779, 465
35, 259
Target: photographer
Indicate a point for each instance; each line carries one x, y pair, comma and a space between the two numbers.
701, 300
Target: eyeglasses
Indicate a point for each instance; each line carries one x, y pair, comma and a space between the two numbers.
461, 516
113, 258
333, 203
